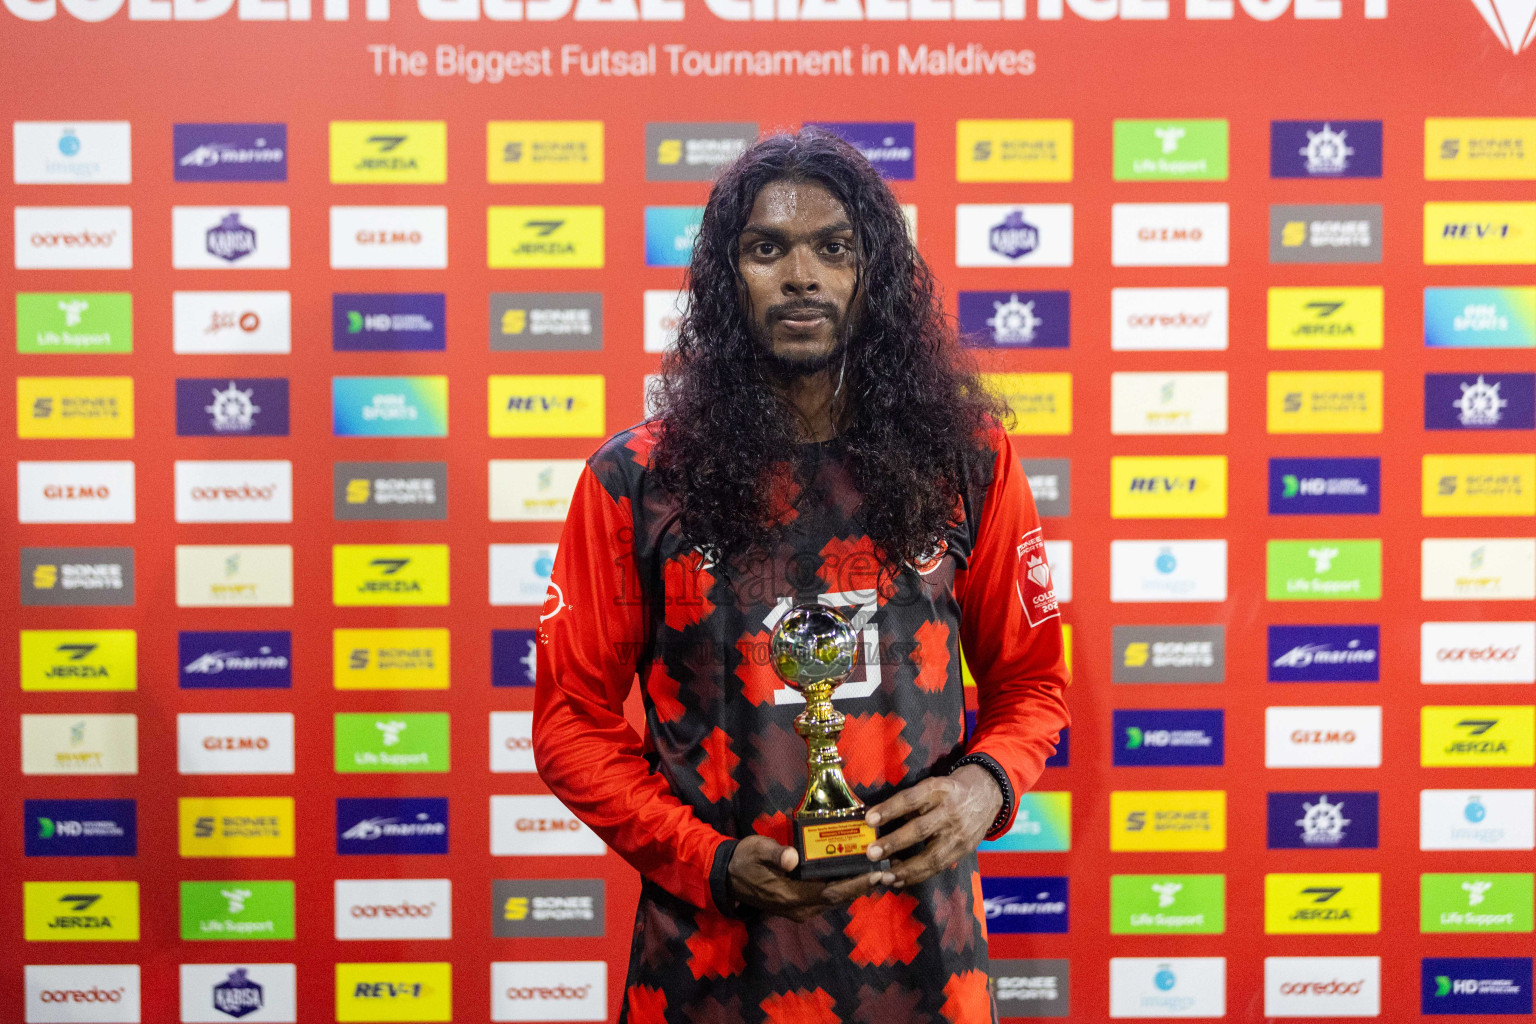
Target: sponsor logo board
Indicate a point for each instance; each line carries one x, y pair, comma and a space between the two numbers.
1324, 654
1013, 150
1322, 986
389, 237
544, 237
544, 152
389, 406
390, 992
1168, 319
82, 993
1025, 906
1475, 985
229, 238
1477, 652
230, 152
1170, 654
391, 742
246, 992
73, 238
520, 573
1479, 234
670, 232
564, 908
663, 312
1325, 234
1483, 401
222, 576
1167, 904
1148, 738
1186, 986
1478, 569
79, 744
1050, 484
237, 910
1172, 570
80, 911
235, 660
1016, 319
231, 323
74, 408
54, 660
1331, 904
397, 908
514, 655
81, 828
1031, 988
390, 659
1325, 402
1169, 234
539, 826
1041, 402
1322, 737
1038, 235
1325, 150
547, 322
391, 825
244, 743
681, 151
1168, 487
1480, 317
389, 490
1193, 150
75, 492
1477, 736
1323, 821
259, 826
1486, 903
1477, 819
1324, 570
232, 407
1324, 487
1167, 820
889, 146
549, 990
96, 323
532, 490
1482, 148
547, 405
246, 491
410, 575
389, 152
389, 322
512, 741
1335, 318
60, 577
1168, 403
71, 152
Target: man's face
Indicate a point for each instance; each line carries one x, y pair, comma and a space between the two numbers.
796, 256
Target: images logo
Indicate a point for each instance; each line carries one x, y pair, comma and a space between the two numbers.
1467, 736
75, 322
1170, 654
1321, 487
389, 237
71, 152
537, 826
236, 910
1025, 906
252, 660
1039, 235
1479, 233
414, 575
224, 238
1322, 737
1486, 903
1167, 904
547, 909
1159, 487
391, 825
390, 659
1480, 148
1477, 819
693, 152
1170, 234
1323, 821
230, 152
1325, 149
1480, 317
81, 911
514, 655
520, 574
57, 577
74, 238
1479, 485
389, 152
543, 152
1013, 150
1167, 987
74, 408
390, 490
670, 232
367, 992
887, 145
1171, 150
1173, 570
388, 323
1041, 402
1475, 985
1043, 824
389, 406
1324, 654
1326, 318
391, 742
1169, 738
1016, 319
79, 660
547, 321
533, 237
1486, 401
1477, 652
1325, 234
547, 405
1336, 904
1167, 820
81, 828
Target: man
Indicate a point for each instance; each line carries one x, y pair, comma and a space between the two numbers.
819, 440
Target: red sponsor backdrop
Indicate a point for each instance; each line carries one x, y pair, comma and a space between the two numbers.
1424, 59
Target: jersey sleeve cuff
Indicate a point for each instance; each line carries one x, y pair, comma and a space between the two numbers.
720, 878
1004, 813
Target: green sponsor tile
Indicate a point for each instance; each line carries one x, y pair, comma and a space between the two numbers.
1171, 150
1324, 570
389, 742
1485, 902
69, 322
1167, 904
236, 910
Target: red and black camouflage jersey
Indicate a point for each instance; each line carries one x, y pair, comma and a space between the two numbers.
720, 760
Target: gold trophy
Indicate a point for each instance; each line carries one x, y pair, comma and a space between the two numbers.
814, 651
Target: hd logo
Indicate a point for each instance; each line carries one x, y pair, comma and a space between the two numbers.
1326, 318
1467, 736
80, 659
1337, 904
389, 152
534, 237
81, 911
1190, 487
412, 575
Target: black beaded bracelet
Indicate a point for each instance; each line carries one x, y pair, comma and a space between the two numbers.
1001, 778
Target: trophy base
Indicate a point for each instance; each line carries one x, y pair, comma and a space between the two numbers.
834, 847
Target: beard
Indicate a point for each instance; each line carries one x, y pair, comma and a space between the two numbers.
790, 367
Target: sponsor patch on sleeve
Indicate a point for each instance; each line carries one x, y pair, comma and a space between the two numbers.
1034, 586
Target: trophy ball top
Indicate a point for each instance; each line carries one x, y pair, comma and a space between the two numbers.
812, 644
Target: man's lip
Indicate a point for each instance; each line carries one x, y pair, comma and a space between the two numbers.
803, 317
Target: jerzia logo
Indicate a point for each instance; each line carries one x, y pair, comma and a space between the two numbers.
1513, 22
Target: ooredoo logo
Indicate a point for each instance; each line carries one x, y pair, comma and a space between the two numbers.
402, 908
549, 990
1477, 652
1322, 986
234, 492
80, 993
74, 238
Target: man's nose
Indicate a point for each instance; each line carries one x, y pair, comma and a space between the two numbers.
801, 272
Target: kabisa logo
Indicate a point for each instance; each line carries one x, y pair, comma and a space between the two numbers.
1484, 401
537, 909
670, 232
1169, 738
222, 238
1167, 904
1016, 319
230, 152
1324, 487
887, 145
81, 828
1018, 906
1480, 317
514, 653
391, 825
1325, 149
397, 322
1333, 904
1323, 821
389, 406
693, 152
1514, 24
237, 995
532, 237
1324, 654
546, 321
232, 407
1013, 236
1475, 985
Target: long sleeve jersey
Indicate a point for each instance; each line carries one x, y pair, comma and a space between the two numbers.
719, 759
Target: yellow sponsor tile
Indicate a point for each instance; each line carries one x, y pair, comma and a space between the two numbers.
1326, 318
1041, 402
390, 659
1167, 820
539, 237
544, 152
419, 993
80, 912
1480, 485
79, 659
74, 408
1347, 402
1477, 736
1480, 149
246, 826
1479, 234
389, 152
407, 575
1013, 150
1168, 487
547, 405
1322, 904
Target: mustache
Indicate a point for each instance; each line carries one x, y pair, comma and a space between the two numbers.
779, 312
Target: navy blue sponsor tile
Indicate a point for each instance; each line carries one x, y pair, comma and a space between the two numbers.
81, 828
1186, 738
1480, 401
1026, 905
1324, 654
1324, 487
1016, 319
389, 322
232, 407
1325, 149
392, 825
1475, 985
1323, 821
235, 660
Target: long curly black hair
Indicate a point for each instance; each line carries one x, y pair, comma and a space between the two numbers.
914, 408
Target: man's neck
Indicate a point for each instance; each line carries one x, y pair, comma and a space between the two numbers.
813, 397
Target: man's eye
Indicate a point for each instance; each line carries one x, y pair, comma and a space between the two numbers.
837, 248
764, 249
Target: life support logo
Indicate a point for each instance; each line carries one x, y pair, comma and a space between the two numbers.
1033, 585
